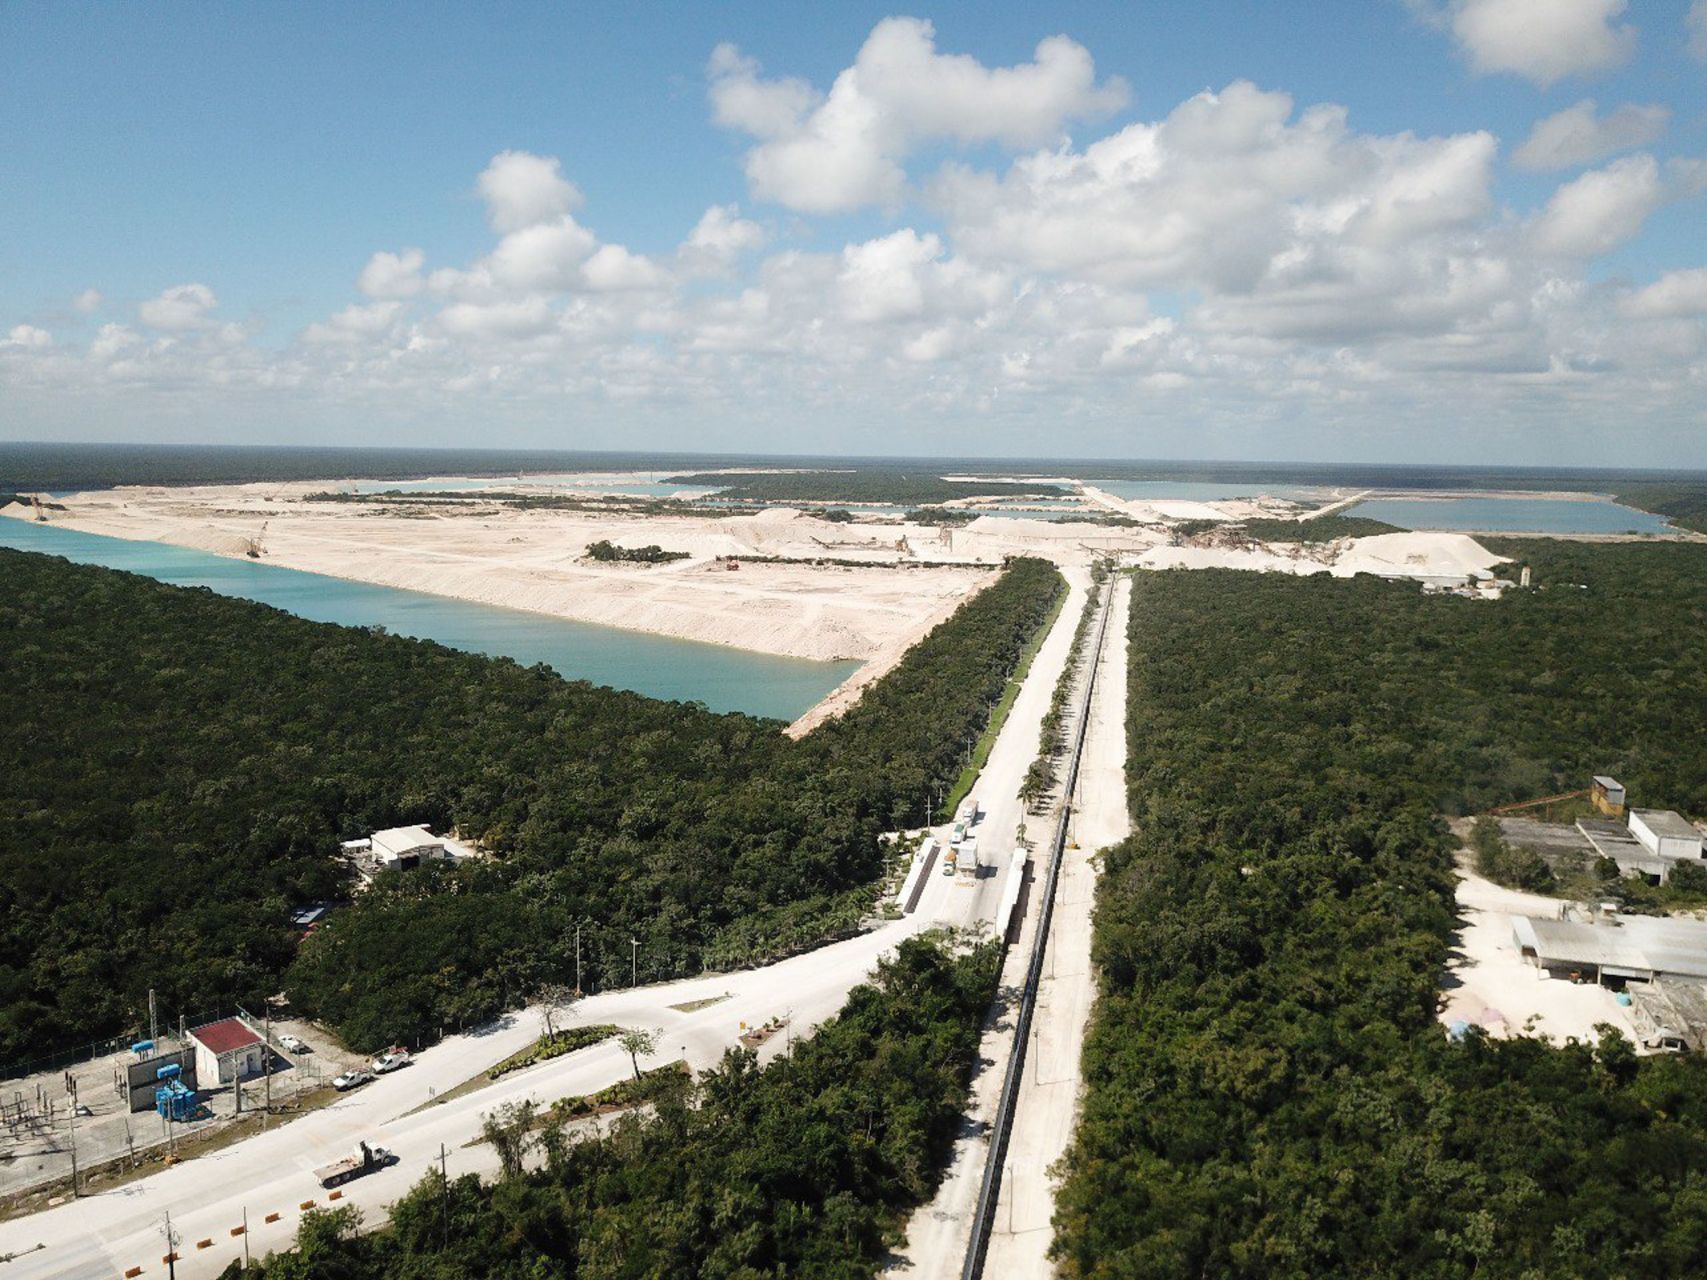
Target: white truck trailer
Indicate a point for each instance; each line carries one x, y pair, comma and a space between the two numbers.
366, 1160
966, 859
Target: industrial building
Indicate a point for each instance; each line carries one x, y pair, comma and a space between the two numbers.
1666, 834
226, 1051
1616, 950
1654, 843
401, 848
1607, 795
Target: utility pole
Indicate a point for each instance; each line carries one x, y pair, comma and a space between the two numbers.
245, 1237
171, 1247
71, 1117
634, 962
267, 1057
153, 1020
577, 957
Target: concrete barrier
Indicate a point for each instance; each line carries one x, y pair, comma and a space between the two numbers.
205, 1244
272, 1217
306, 1205
133, 1273
336, 1195
237, 1231
914, 886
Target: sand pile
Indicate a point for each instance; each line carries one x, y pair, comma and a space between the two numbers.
1391, 555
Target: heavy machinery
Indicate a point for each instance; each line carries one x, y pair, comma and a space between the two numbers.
252, 546
41, 511
366, 1160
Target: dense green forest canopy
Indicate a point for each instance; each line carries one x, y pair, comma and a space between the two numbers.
177, 767
1269, 1091
866, 485
1684, 505
1317, 528
805, 1168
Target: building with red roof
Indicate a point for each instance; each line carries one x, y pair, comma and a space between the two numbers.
227, 1050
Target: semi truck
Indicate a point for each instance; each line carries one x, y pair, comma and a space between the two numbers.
366, 1160
966, 860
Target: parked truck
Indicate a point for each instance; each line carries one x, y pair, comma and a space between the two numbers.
948, 856
366, 1160
966, 861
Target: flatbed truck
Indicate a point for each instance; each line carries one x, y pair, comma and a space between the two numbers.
366, 1160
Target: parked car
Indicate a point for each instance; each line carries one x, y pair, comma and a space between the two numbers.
390, 1060
351, 1079
295, 1044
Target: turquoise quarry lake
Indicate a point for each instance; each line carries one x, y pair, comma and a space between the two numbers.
1511, 515
723, 679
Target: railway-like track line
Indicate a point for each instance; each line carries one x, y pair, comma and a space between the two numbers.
989, 1189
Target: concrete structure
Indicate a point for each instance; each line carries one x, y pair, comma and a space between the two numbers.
227, 1050
401, 848
1613, 840
1607, 795
1666, 834
1615, 951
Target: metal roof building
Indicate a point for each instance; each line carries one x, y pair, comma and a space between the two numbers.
1628, 947
1665, 833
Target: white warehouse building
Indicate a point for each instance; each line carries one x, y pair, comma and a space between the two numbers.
401, 848
1665, 834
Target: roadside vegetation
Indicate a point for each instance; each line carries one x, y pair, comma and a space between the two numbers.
1041, 777
178, 768
806, 1167
605, 550
890, 487
979, 755
1268, 1089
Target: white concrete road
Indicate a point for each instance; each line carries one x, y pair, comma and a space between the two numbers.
106, 1234
938, 1232
1049, 1092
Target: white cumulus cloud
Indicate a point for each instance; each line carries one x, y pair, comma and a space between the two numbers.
183, 306
87, 302
846, 149
1543, 40
719, 237
521, 189
1675, 294
392, 275
1603, 208
1577, 136
27, 336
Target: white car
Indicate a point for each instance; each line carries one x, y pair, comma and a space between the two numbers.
295, 1044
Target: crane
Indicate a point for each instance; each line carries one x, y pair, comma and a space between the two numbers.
252, 546
41, 511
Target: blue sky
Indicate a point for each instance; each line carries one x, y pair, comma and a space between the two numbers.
267, 152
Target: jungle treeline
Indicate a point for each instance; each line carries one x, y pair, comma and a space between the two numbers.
803, 1168
867, 484
1269, 1090
177, 768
